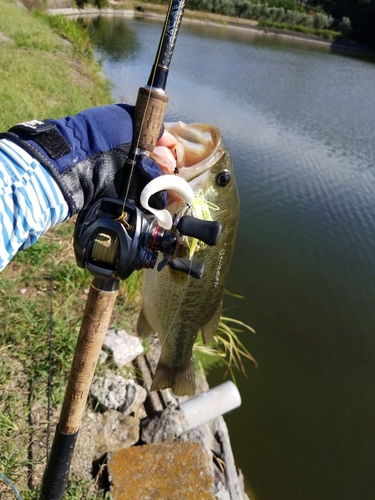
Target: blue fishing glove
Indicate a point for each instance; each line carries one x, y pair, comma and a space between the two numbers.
86, 153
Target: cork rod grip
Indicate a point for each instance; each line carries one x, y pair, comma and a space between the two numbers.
149, 116
94, 327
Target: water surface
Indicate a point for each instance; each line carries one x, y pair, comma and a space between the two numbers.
299, 122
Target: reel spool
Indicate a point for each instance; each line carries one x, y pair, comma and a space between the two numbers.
112, 240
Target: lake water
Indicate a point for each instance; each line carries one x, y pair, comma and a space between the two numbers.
299, 122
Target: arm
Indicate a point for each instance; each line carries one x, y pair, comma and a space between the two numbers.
51, 170
30, 201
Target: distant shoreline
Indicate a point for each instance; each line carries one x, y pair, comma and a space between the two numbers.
197, 17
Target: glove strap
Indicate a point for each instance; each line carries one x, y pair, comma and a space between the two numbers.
46, 135
35, 153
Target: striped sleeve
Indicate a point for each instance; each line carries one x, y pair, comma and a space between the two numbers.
30, 201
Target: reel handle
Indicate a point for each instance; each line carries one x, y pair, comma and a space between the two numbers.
186, 266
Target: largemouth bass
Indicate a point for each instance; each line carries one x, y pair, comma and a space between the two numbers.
175, 305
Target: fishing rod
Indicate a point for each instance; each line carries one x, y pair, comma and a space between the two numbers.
113, 239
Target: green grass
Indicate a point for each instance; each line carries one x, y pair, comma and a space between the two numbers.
323, 33
44, 74
41, 291
48, 70
226, 348
81, 490
71, 31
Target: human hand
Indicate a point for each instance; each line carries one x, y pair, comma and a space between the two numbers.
85, 153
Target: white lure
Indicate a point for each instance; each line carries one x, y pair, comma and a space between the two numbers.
168, 183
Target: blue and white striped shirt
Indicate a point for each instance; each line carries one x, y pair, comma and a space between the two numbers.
30, 201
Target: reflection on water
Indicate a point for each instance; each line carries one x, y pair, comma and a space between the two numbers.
299, 123
113, 40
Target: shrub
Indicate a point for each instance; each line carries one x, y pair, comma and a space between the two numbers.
276, 14
243, 8
305, 20
345, 26
285, 4
96, 3
205, 5
224, 7
290, 17
322, 21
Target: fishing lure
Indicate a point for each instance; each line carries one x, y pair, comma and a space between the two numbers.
201, 209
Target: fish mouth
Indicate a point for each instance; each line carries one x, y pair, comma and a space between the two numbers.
188, 149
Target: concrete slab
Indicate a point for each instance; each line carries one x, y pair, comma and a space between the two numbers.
162, 471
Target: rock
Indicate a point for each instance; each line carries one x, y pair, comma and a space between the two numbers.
212, 436
221, 493
84, 450
102, 357
115, 392
125, 347
168, 471
114, 432
165, 427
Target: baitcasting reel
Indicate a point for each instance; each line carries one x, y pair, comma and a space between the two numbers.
113, 239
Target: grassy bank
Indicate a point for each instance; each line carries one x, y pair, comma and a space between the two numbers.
42, 298
44, 75
42, 290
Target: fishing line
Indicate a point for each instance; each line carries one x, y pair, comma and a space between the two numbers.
50, 350
179, 304
133, 163
144, 385
153, 72
152, 78
174, 317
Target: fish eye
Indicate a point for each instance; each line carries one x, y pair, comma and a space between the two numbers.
223, 178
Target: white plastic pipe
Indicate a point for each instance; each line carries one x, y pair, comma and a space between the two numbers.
211, 404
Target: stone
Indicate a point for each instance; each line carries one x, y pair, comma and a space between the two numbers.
221, 493
167, 426
84, 449
115, 432
168, 471
115, 392
103, 356
125, 348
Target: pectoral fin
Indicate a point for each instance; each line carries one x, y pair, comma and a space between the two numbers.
208, 330
144, 330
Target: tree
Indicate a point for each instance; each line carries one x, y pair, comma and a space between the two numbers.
361, 14
97, 3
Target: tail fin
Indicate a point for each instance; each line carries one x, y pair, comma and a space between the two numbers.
180, 379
